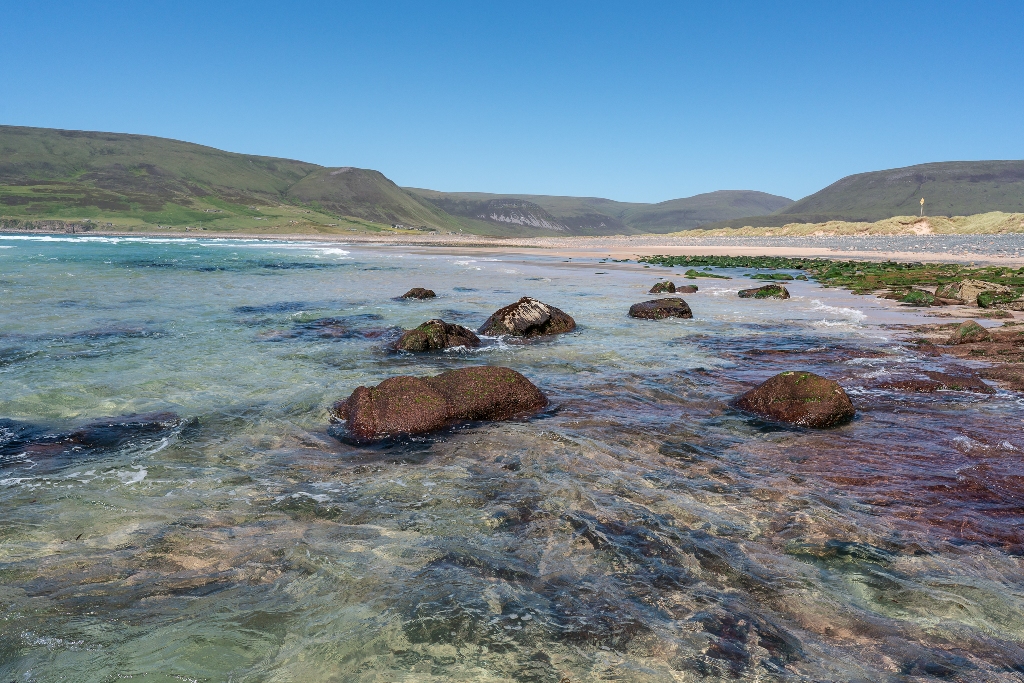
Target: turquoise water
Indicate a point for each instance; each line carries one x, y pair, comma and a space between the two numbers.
639, 530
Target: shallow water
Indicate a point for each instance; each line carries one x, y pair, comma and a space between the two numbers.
639, 530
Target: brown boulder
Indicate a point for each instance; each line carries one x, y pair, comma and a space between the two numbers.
661, 308
416, 405
436, 334
419, 293
686, 289
800, 398
528, 318
766, 292
663, 288
969, 332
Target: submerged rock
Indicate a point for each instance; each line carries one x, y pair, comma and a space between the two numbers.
20, 441
436, 334
800, 398
766, 292
969, 332
528, 318
416, 405
419, 293
658, 309
663, 288
939, 381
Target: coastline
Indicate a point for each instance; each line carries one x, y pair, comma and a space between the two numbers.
631, 246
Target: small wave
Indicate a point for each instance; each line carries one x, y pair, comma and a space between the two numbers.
846, 316
128, 477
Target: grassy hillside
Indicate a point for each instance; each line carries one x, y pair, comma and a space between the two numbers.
954, 188
596, 216
148, 182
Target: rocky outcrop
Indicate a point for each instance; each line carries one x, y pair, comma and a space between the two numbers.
417, 405
528, 318
969, 332
800, 398
967, 291
766, 292
663, 288
434, 335
659, 309
419, 293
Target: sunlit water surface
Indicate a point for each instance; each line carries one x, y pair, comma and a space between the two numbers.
640, 529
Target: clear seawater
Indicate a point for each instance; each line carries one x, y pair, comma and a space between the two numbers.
640, 529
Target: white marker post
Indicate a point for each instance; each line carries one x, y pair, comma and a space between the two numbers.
922, 207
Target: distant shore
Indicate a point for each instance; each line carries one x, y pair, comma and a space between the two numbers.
925, 248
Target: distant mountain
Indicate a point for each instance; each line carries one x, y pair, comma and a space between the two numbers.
143, 181
595, 216
952, 188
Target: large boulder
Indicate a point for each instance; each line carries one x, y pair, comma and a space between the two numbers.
969, 332
800, 398
686, 289
419, 293
968, 290
416, 405
766, 292
436, 334
663, 288
528, 318
658, 309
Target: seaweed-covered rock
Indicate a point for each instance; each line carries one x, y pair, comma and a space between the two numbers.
1011, 300
918, 297
663, 288
436, 334
800, 398
658, 309
686, 289
419, 293
969, 332
968, 290
528, 318
766, 292
416, 405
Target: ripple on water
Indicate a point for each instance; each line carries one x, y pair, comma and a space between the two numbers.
643, 528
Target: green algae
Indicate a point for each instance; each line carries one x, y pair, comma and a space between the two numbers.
861, 277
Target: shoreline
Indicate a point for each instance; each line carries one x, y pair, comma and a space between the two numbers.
614, 246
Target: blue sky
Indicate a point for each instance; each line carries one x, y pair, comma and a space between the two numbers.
633, 101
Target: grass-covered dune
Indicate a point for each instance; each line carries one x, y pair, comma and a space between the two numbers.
993, 222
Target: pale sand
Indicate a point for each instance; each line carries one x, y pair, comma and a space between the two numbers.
616, 247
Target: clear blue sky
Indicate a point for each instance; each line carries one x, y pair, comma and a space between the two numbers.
634, 101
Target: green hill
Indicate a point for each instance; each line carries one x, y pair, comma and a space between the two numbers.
596, 216
140, 182
148, 181
953, 188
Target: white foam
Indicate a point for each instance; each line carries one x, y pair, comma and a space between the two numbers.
128, 477
14, 481
846, 316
